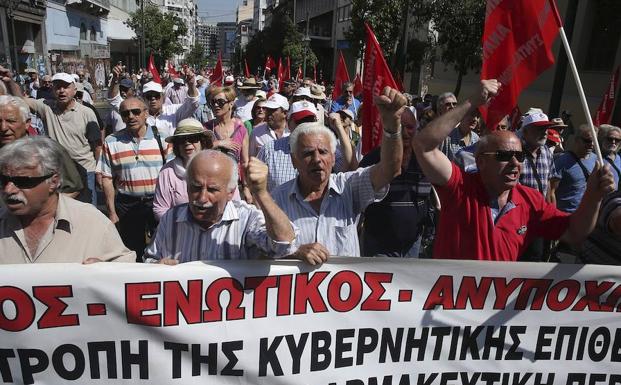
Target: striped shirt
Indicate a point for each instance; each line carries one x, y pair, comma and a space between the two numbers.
536, 172
335, 226
277, 156
240, 234
133, 164
261, 135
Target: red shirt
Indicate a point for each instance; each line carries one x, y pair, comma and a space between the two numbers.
467, 230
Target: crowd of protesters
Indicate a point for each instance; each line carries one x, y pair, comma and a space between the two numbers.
187, 170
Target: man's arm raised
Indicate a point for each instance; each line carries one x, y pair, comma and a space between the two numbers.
435, 165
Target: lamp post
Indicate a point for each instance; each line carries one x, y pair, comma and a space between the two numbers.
11, 6
143, 48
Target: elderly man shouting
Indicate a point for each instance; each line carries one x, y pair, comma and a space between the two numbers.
212, 226
325, 207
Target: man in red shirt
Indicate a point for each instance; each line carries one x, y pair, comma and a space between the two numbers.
489, 215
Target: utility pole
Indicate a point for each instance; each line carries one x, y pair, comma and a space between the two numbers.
306, 41
143, 48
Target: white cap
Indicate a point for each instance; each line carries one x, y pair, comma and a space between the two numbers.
277, 101
63, 77
303, 91
178, 81
75, 77
347, 112
302, 109
261, 94
536, 118
152, 87
229, 79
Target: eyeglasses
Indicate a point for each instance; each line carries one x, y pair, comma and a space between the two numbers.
188, 139
219, 102
134, 111
23, 182
506, 156
613, 140
152, 95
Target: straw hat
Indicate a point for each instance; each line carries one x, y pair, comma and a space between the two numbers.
249, 84
188, 127
317, 92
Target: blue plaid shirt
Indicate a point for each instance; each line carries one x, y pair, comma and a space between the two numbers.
544, 164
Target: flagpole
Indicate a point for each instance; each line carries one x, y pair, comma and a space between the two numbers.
574, 70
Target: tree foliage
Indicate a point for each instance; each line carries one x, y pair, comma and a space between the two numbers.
162, 31
196, 57
280, 39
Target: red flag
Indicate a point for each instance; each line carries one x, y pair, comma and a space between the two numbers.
517, 48
172, 71
247, 70
376, 76
357, 85
399, 82
287, 73
151, 68
514, 118
299, 75
315, 73
269, 64
604, 111
279, 74
341, 77
217, 74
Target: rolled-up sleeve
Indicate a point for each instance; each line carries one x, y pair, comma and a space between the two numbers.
361, 189
256, 235
187, 109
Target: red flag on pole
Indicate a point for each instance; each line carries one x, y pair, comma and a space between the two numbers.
341, 77
299, 75
287, 73
247, 70
604, 111
517, 48
376, 76
357, 85
151, 68
280, 74
269, 64
172, 71
217, 74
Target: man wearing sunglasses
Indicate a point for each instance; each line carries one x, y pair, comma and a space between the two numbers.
129, 166
165, 117
71, 124
572, 170
347, 101
609, 138
39, 225
488, 215
120, 89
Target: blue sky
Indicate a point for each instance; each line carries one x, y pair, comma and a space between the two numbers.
218, 10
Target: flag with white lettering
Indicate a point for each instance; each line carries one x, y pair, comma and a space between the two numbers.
604, 111
517, 48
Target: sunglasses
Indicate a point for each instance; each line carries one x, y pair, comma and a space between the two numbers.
152, 95
23, 182
188, 139
134, 111
506, 156
219, 102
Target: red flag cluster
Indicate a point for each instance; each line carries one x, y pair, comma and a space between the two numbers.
604, 112
172, 71
517, 47
284, 73
376, 76
269, 65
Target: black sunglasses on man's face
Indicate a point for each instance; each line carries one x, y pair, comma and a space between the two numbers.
506, 156
23, 182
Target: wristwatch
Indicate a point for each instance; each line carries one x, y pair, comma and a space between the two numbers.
392, 135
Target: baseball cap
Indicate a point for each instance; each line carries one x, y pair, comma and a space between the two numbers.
347, 112
303, 91
126, 83
75, 77
535, 117
152, 87
302, 109
261, 94
63, 77
229, 79
277, 101
178, 81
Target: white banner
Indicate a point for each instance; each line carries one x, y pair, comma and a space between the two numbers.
353, 321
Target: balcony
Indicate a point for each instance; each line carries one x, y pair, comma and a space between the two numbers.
94, 50
93, 7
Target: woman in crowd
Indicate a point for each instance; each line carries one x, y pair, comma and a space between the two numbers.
259, 115
230, 134
189, 138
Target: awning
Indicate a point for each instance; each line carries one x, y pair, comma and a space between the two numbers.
118, 30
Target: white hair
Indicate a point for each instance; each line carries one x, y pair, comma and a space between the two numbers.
232, 185
312, 128
443, 97
21, 106
34, 152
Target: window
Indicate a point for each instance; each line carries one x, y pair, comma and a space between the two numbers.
82, 31
93, 33
605, 33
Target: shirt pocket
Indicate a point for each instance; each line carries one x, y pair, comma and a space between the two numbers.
345, 240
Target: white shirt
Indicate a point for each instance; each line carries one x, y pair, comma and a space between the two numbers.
166, 121
243, 108
261, 135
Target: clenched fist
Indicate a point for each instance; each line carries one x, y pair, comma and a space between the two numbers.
256, 176
390, 104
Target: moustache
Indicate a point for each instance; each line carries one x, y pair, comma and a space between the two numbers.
202, 205
15, 198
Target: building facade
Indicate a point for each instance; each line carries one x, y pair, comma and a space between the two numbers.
123, 46
22, 34
207, 37
226, 41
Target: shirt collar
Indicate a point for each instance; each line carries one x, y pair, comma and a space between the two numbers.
63, 215
295, 189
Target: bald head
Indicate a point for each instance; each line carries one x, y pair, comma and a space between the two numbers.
212, 162
495, 140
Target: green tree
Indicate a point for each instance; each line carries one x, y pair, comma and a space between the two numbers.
280, 39
458, 25
196, 57
162, 32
